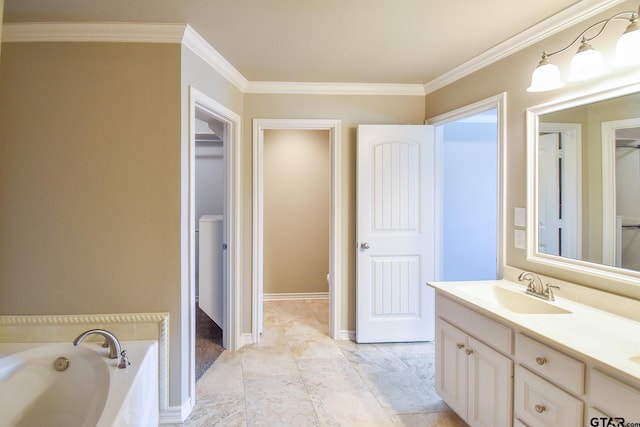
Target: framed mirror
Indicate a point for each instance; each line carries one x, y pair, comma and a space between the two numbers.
583, 184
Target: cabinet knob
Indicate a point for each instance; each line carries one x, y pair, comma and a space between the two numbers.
540, 408
460, 346
468, 351
541, 360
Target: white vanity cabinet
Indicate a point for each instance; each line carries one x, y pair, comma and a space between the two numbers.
471, 377
521, 363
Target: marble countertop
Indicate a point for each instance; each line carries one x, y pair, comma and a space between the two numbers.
585, 331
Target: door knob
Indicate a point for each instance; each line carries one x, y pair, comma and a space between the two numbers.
364, 245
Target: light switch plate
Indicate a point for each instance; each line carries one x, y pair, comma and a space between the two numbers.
519, 217
519, 238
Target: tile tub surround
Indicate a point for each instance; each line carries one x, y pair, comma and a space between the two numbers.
298, 376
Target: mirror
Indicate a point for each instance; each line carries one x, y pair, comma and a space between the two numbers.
584, 183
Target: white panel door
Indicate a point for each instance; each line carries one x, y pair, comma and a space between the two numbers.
549, 194
395, 233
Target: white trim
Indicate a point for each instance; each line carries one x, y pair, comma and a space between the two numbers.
176, 414
119, 32
346, 335
500, 103
290, 296
315, 88
211, 56
562, 20
335, 238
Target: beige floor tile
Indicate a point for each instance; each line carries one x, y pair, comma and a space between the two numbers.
296, 375
278, 401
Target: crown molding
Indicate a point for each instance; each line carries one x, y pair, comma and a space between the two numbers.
211, 56
315, 88
119, 32
184, 34
560, 21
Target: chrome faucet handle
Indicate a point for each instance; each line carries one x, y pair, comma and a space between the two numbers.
549, 293
124, 360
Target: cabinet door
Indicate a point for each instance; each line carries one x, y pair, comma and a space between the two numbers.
490, 386
451, 366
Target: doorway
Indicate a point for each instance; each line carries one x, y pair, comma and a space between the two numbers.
231, 301
469, 153
210, 196
334, 277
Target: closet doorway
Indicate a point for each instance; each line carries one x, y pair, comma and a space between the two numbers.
209, 218
296, 229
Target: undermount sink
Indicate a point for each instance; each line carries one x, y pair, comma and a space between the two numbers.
515, 301
635, 359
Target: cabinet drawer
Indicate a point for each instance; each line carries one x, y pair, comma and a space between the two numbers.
486, 330
563, 370
539, 403
613, 397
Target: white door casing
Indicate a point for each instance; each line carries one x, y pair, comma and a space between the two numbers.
395, 233
335, 236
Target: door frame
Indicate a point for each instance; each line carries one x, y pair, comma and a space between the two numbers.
232, 309
335, 234
609, 226
498, 102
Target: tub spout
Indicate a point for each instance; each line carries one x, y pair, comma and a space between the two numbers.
110, 339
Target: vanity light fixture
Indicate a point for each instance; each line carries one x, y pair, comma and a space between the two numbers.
588, 62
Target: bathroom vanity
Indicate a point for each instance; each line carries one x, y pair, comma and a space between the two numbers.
506, 358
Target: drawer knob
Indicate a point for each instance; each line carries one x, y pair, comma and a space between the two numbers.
541, 360
540, 408
468, 351
460, 346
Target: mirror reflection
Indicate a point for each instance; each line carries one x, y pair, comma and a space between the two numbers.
588, 182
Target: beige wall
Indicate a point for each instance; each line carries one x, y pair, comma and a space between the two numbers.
297, 190
512, 75
351, 110
90, 180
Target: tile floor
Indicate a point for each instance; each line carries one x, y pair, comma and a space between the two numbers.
298, 376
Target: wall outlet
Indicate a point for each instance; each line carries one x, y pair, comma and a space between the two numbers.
519, 238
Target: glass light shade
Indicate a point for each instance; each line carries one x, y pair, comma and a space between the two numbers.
586, 63
545, 77
628, 46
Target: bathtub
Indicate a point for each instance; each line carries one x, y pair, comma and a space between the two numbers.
92, 391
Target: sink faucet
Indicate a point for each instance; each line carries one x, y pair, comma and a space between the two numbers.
110, 340
535, 286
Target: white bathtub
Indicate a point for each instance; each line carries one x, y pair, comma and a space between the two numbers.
92, 391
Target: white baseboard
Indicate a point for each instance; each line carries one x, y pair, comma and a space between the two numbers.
176, 414
295, 296
346, 335
245, 339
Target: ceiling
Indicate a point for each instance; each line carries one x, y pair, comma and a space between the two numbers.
337, 41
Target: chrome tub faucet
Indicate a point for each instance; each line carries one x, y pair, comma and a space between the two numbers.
110, 341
